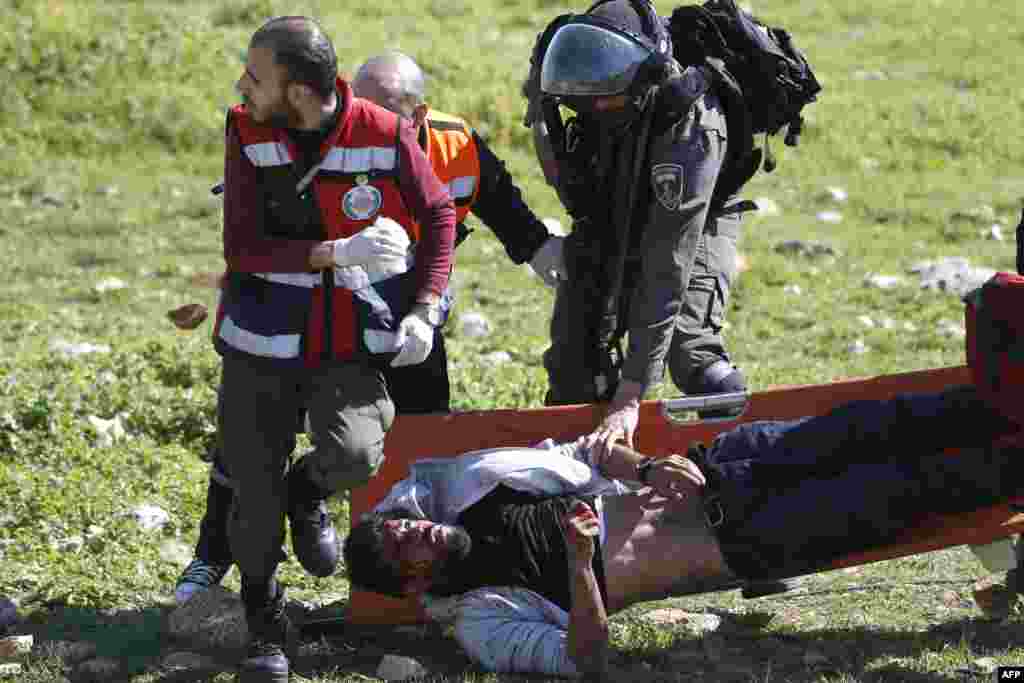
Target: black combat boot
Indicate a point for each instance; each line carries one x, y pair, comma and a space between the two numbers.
314, 539
269, 630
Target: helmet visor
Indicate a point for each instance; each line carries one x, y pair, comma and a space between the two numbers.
586, 60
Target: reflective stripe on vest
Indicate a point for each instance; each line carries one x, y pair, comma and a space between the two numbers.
268, 346
265, 154
360, 159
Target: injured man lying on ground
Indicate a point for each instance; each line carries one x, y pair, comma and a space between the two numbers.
528, 550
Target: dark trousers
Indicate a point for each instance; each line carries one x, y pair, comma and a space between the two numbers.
422, 388
797, 495
349, 413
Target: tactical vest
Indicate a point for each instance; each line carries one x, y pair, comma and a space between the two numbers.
300, 317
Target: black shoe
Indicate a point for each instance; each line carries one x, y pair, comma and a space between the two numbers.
269, 630
314, 539
759, 589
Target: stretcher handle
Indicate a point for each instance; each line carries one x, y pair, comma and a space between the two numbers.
684, 410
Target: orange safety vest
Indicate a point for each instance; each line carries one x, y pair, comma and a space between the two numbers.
294, 316
453, 155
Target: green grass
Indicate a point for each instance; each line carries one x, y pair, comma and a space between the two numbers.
111, 127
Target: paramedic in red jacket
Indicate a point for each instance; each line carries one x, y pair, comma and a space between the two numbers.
338, 239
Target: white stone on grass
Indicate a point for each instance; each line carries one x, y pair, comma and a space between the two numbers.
497, 358
995, 232
150, 517
395, 668
792, 290
767, 207
73, 349
831, 217
858, 347
111, 284
836, 194
954, 275
475, 325
883, 281
108, 432
866, 321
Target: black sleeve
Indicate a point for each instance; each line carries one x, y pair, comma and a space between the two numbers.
499, 205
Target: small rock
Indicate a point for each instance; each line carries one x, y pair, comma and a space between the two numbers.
986, 665
949, 328
52, 200
10, 670
475, 325
836, 194
767, 207
111, 284
858, 348
72, 544
802, 248
150, 517
832, 217
72, 350
866, 321
793, 290
15, 646
496, 358
211, 619
887, 323
883, 281
395, 668
175, 552
554, 226
98, 670
108, 432
108, 191
179, 662
694, 622
69, 651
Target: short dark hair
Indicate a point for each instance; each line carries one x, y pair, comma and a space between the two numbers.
364, 556
303, 49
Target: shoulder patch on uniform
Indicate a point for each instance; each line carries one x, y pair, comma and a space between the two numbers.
667, 181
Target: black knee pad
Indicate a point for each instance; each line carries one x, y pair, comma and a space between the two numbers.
721, 377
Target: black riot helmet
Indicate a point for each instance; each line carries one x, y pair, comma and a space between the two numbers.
618, 47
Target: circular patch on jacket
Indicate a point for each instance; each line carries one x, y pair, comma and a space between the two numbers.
361, 202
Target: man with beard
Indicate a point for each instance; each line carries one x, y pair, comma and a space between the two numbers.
534, 547
478, 183
327, 198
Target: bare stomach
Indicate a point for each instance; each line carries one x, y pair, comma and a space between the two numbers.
655, 548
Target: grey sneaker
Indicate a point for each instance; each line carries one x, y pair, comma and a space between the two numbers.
198, 576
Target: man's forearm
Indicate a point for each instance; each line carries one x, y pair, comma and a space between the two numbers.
621, 463
588, 622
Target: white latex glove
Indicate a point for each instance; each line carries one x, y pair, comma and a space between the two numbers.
383, 240
413, 341
548, 262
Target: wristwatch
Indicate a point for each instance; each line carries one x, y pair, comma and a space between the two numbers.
642, 469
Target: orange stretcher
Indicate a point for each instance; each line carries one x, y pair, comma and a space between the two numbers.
660, 433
